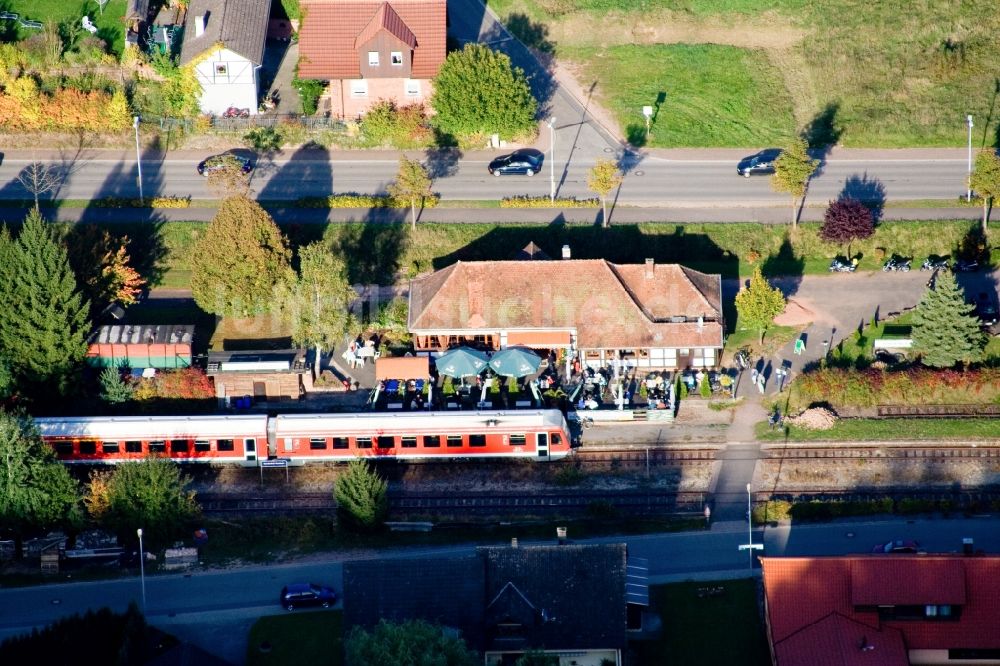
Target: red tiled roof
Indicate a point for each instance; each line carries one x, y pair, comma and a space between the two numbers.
609, 305
332, 30
839, 641
801, 591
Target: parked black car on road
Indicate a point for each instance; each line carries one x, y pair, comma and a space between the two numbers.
761, 163
526, 162
301, 595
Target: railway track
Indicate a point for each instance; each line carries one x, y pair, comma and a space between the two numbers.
895, 452
643, 456
637, 501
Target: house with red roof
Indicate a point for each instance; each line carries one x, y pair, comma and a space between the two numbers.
649, 315
371, 50
884, 610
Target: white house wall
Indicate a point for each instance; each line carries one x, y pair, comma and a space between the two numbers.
227, 79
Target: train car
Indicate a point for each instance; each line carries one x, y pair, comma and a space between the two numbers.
538, 435
187, 439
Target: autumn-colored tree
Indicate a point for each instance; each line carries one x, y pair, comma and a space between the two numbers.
603, 178
239, 260
226, 177
412, 185
103, 266
118, 116
792, 171
845, 221
985, 181
759, 304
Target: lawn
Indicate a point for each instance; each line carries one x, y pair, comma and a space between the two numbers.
891, 74
712, 95
710, 630
110, 26
314, 638
862, 430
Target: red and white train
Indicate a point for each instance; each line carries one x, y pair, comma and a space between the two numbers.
248, 439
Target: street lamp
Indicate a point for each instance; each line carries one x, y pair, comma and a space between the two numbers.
552, 159
142, 570
750, 545
138, 162
968, 194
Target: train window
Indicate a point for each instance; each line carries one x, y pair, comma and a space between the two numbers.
157, 446
224, 445
340, 443
364, 442
317, 443
408, 442
88, 447
64, 448
477, 440
454, 440
202, 445
386, 441
556, 439
518, 440
432, 441
133, 447
109, 447
179, 445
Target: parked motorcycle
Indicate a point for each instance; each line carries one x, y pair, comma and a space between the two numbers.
965, 266
838, 266
934, 263
234, 112
896, 264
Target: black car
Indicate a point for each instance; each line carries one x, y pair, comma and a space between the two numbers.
761, 163
301, 595
526, 161
986, 309
216, 162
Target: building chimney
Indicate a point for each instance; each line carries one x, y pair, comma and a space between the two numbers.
513, 542
561, 535
650, 268
199, 25
566, 253
968, 546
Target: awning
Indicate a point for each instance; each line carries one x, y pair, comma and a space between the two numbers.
402, 367
539, 339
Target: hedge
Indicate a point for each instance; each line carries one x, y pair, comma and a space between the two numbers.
355, 200
546, 202
155, 202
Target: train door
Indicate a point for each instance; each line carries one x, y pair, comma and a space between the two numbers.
250, 449
542, 445
272, 440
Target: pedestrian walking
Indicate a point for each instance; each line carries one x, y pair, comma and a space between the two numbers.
753, 376
760, 383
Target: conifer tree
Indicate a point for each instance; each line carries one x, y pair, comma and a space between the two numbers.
945, 331
361, 495
114, 389
45, 325
239, 261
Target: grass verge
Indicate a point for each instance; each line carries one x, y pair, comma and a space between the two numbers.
315, 637
709, 630
864, 430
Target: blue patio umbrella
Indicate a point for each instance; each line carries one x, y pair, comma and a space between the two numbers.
515, 362
461, 362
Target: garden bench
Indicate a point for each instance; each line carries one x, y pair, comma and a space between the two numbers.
10, 16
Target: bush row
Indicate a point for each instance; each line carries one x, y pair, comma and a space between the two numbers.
847, 387
546, 202
155, 202
354, 200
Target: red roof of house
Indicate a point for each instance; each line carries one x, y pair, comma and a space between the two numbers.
802, 592
611, 306
333, 30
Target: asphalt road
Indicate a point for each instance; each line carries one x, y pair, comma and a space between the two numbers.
709, 180
215, 609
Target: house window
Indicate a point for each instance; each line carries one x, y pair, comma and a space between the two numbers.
412, 88
373, 58
396, 57
221, 69
359, 88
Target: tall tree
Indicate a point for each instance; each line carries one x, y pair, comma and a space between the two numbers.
759, 304
478, 91
792, 171
845, 221
318, 304
945, 330
36, 491
38, 179
410, 642
603, 178
985, 181
361, 495
239, 261
412, 184
103, 266
44, 330
152, 494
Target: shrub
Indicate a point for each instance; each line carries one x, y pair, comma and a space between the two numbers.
155, 202
263, 139
355, 200
309, 92
774, 510
546, 202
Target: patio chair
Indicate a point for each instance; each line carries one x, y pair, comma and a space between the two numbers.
392, 386
420, 385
